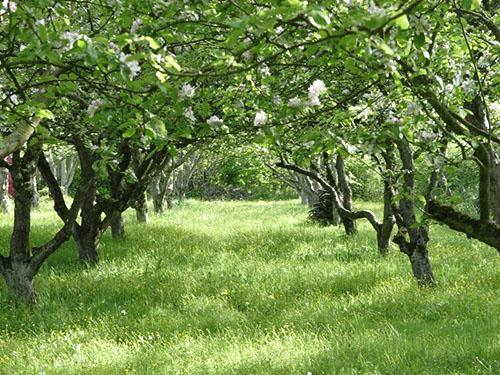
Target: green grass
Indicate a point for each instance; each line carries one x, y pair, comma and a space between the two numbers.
252, 288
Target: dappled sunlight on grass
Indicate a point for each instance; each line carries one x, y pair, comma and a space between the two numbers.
245, 288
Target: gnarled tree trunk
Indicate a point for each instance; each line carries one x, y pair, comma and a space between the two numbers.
412, 236
117, 226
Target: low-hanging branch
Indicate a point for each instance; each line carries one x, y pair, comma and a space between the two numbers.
354, 215
484, 231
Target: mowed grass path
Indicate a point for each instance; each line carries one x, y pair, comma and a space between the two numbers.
252, 288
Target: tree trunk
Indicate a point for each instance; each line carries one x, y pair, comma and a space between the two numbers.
35, 200
421, 266
412, 236
88, 234
19, 280
117, 226
385, 229
4, 196
141, 209
88, 242
495, 187
16, 270
158, 193
345, 189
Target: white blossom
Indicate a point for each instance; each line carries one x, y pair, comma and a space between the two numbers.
314, 101
375, 10
469, 86
394, 120
9, 5
71, 37
260, 118
412, 109
265, 71
294, 102
214, 120
114, 47
317, 88
247, 55
187, 91
135, 25
483, 61
134, 68
279, 30
133, 65
94, 107
189, 114
13, 99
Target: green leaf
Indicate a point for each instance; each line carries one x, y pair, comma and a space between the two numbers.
81, 43
45, 113
388, 50
162, 77
319, 19
402, 22
419, 40
170, 61
153, 44
129, 133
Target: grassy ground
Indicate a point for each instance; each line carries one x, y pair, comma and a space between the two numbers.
251, 288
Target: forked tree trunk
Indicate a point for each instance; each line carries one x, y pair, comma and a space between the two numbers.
16, 269
412, 237
88, 233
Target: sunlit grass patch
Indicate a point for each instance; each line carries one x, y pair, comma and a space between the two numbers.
252, 288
